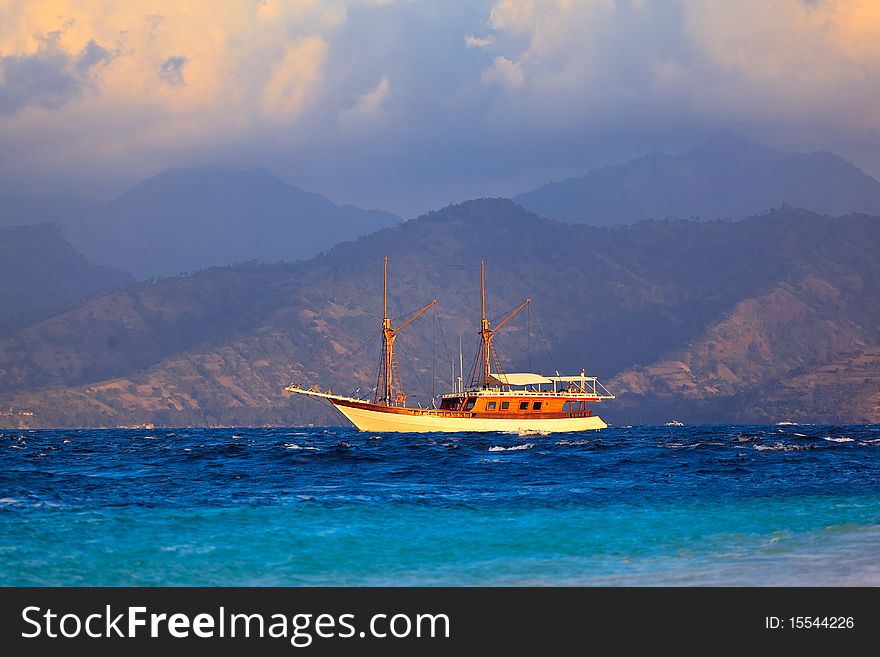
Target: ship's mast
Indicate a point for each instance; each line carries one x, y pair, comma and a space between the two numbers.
387, 337
486, 333
390, 397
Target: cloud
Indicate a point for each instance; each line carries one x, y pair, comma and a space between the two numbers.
767, 59
478, 42
368, 108
50, 77
171, 70
294, 78
339, 94
516, 15
505, 73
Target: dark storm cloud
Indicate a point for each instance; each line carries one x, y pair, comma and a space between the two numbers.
411, 105
171, 70
48, 78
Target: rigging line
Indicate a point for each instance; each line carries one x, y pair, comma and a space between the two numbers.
509, 358
541, 335
504, 314
529, 338
350, 352
402, 354
406, 314
320, 347
445, 346
478, 358
353, 350
379, 363
433, 360
315, 353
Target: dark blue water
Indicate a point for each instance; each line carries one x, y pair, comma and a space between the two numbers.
760, 505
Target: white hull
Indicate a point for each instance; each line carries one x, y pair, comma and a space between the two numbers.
368, 420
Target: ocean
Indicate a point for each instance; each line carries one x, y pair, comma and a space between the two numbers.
684, 506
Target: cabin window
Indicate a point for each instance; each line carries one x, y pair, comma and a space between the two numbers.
470, 403
505, 405
524, 406
490, 406
536, 406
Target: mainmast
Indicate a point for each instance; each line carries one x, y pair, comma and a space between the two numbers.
387, 338
486, 333
389, 374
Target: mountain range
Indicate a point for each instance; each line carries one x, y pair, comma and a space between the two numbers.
183, 220
724, 177
40, 272
772, 317
187, 219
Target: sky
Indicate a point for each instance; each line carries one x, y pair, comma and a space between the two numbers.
409, 105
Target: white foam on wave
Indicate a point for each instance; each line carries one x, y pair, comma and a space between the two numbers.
295, 446
840, 439
779, 447
498, 448
522, 433
574, 442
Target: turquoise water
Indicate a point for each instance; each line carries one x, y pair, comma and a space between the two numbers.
635, 506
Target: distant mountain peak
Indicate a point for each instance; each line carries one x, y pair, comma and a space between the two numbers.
196, 177
728, 142
481, 211
725, 176
190, 218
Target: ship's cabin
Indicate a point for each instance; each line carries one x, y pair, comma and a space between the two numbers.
527, 393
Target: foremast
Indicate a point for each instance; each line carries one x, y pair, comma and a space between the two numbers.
389, 376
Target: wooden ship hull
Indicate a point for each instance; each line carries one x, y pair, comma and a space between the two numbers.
367, 416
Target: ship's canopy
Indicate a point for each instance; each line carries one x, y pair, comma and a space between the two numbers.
518, 379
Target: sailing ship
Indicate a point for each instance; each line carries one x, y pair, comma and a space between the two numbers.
494, 401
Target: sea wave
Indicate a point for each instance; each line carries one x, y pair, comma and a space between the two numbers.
780, 447
498, 448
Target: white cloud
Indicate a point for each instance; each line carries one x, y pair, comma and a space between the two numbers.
478, 42
505, 73
516, 15
295, 79
368, 108
761, 57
